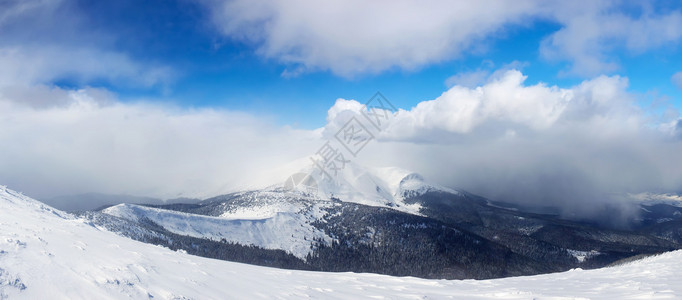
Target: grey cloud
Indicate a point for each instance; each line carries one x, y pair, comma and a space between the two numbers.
44, 97
139, 148
582, 149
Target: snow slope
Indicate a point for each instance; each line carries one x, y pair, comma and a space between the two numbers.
286, 230
48, 254
652, 199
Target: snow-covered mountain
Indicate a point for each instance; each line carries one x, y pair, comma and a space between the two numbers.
383, 220
281, 215
355, 183
383, 187
653, 199
49, 254
278, 228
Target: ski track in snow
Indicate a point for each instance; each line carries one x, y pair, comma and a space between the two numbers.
48, 254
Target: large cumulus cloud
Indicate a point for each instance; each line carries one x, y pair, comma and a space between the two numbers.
583, 149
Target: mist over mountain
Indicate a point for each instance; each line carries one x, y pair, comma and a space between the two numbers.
583, 150
392, 221
92, 201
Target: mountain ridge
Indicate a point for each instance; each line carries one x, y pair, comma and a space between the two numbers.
373, 220
46, 253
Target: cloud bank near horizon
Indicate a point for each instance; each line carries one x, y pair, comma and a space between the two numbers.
577, 148
572, 147
93, 143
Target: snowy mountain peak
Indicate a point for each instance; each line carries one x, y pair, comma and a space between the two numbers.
386, 187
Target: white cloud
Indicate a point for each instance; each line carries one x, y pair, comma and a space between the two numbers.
44, 41
593, 30
468, 79
13, 9
503, 99
482, 74
27, 65
677, 79
505, 103
354, 37
360, 37
92, 144
575, 148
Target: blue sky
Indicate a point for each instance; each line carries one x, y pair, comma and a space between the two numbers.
215, 70
198, 97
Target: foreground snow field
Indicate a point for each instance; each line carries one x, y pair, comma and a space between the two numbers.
48, 254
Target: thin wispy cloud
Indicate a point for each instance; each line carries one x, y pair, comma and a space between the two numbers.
52, 40
677, 79
592, 31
